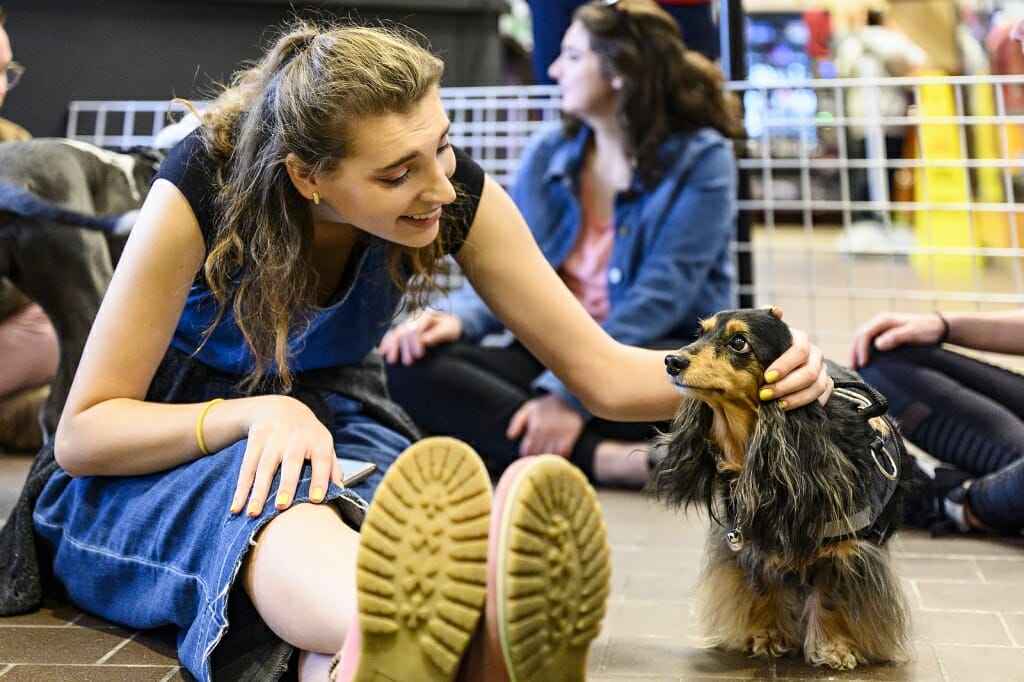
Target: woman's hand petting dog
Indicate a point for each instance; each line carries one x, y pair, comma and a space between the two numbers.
799, 376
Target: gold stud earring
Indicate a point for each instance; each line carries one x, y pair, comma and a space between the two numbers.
316, 198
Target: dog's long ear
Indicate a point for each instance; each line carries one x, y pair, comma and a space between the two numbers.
686, 475
797, 485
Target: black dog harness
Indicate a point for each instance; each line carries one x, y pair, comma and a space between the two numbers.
885, 452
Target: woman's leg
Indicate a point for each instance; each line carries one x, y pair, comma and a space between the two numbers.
469, 392
301, 577
403, 596
618, 452
966, 413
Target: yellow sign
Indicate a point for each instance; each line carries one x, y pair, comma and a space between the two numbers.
942, 178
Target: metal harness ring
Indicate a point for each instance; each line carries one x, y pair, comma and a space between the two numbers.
892, 463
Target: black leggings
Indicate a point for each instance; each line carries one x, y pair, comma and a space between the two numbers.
470, 392
965, 412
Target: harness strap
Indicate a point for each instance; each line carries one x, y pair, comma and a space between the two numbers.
885, 452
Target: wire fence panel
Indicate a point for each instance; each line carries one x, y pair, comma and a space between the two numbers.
852, 214
910, 210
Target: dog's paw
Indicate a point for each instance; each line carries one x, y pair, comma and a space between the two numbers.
835, 655
769, 644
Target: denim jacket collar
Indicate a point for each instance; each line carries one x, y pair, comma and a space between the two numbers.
567, 160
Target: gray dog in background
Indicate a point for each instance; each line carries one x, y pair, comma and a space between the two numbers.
65, 209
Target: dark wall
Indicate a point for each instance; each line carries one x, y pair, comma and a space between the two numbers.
158, 49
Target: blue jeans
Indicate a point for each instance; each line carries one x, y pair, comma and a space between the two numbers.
148, 551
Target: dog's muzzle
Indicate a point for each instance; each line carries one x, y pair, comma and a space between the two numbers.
676, 364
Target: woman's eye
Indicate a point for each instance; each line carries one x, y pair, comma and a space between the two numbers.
739, 344
397, 179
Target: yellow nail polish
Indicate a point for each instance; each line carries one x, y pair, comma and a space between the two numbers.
254, 508
235, 507
783, 404
771, 375
766, 394
316, 494
282, 500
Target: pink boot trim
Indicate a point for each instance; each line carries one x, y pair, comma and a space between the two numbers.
343, 667
548, 573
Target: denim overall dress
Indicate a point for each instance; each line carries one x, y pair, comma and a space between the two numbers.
163, 549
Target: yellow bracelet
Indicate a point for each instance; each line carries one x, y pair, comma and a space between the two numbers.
199, 424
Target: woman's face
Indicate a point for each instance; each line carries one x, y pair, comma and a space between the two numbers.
395, 181
585, 91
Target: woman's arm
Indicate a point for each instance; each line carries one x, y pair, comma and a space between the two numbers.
105, 427
108, 429
995, 331
613, 380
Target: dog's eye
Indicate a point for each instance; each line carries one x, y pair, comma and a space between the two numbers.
739, 344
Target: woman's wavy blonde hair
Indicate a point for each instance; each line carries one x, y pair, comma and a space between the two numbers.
302, 97
665, 87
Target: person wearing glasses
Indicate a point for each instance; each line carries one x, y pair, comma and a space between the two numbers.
28, 342
9, 77
633, 202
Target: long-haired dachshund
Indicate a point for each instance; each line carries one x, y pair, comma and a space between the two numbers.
801, 502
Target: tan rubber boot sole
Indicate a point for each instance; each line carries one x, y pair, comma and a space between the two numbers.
422, 563
550, 570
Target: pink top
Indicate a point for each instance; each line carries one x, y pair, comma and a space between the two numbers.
585, 270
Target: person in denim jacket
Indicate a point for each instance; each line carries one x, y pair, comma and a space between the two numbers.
633, 201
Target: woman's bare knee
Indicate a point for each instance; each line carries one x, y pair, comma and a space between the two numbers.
300, 575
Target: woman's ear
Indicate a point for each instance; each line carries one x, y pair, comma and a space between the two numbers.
305, 181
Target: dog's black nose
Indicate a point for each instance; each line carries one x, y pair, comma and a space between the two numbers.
675, 364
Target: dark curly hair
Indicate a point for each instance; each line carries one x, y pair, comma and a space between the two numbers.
666, 88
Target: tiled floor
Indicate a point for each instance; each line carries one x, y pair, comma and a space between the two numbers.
967, 594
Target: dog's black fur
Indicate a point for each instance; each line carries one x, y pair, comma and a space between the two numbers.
791, 561
65, 210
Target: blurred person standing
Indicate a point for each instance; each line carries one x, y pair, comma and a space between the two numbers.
875, 51
551, 18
